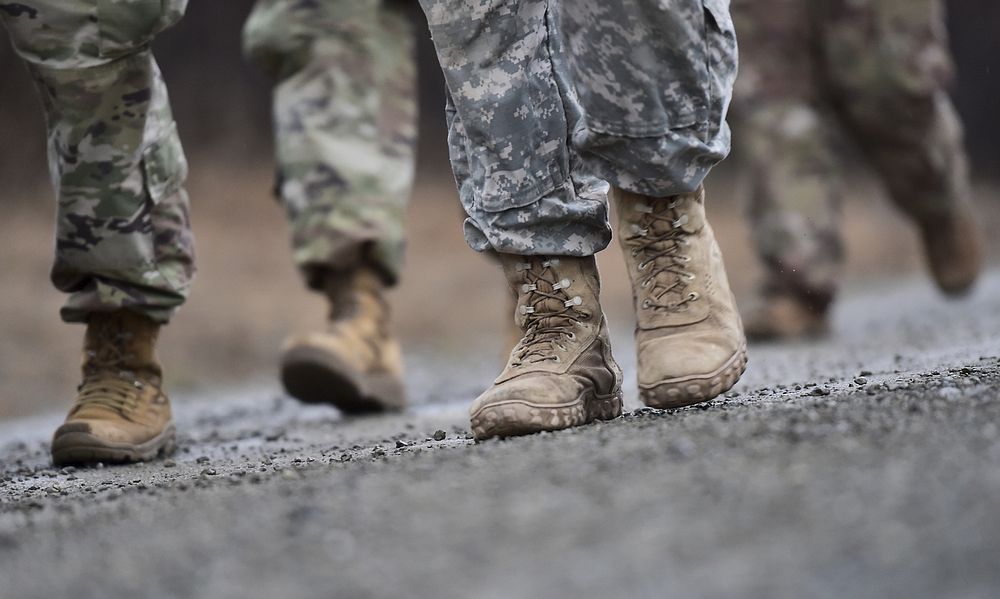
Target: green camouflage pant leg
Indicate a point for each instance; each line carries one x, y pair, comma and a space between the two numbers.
550, 98
345, 126
123, 239
888, 65
784, 136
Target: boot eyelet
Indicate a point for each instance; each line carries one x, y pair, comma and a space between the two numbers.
635, 252
693, 296
571, 336
643, 265
690, 276
646, 304
645, 284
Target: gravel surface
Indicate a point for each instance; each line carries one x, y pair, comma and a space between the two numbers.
866, 465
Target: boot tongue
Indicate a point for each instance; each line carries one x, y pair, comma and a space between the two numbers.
548, 311
685, 212
356, 297
120, 342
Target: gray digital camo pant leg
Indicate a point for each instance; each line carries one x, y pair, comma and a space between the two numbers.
551, 100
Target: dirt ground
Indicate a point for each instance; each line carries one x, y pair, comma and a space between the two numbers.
865, 465
248, 296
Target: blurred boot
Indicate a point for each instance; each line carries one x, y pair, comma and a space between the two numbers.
953, 247
782, 315
121, 414
356, 365
689, 335
561, 373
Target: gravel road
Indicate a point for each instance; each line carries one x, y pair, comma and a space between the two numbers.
866, 465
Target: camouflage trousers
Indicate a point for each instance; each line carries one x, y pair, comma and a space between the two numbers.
123, 238
345, 126
552, 100
816, 74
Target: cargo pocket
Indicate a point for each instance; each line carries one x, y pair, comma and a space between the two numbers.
126, 25
512, 141
164, 166
722, 53
654, 69
165, 169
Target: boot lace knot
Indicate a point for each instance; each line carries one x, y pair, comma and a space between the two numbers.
550, 314
659, 240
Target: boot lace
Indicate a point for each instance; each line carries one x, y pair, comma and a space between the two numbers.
549, 314
660, 240
108, 391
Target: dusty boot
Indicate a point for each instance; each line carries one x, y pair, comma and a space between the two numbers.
688, 335
121, 413
561, 373
953, 246
512, 334
356, 364
782, 315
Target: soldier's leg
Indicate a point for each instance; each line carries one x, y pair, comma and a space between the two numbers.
124, 249
653, 96
645, 111
888, 64
345, 131
345, 127
123, 238
783, 135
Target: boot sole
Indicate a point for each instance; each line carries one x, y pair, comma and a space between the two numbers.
514, 418
696, 388
84, 449
314, 377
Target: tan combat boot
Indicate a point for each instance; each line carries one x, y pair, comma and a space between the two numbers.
783, 315
121, 414
953, 247
356, 365
689, 335
561, 373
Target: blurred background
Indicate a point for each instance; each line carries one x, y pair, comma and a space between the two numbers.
451, 303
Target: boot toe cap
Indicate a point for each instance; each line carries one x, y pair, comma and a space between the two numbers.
681, 357
96, 432
541, 390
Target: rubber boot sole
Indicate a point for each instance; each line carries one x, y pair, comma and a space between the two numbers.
697, 388
84, 449
316, 377
514, 418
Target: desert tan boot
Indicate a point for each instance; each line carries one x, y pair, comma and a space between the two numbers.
356, 364
689, 336
121, 413
779, 316
953, 247
561, 373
